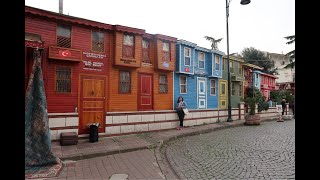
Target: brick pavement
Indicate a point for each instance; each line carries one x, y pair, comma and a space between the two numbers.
114, 155
260, 152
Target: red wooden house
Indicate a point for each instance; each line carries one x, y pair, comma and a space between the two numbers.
248, 75
267, 83
91, 69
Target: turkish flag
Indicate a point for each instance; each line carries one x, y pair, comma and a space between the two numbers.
64, 53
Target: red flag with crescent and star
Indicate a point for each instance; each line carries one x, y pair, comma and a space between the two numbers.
64, 53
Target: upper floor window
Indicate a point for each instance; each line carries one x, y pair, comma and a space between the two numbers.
187, 56
240, 89
213, 87
63, 79
145, 51
231, 67
166, 51
223, 64
64, 36
125, 83
183, 84
233, 89
239, 69
217, 64
163, 84
128, 46
201, 60
97, 41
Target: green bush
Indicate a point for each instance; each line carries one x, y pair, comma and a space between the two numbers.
277, 95
254, 96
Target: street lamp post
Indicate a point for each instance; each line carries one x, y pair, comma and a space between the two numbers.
243, 2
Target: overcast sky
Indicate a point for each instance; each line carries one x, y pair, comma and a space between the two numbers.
262, 24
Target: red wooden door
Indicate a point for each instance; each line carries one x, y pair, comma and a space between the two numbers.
92, 102
145, 101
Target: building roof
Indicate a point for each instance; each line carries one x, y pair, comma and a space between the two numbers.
31, 11
234, 58
188, 43
269, 75
253, 66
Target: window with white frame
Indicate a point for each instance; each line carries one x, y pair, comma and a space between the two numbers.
201, 60
187, 56
213, 87
183, 84
217, 64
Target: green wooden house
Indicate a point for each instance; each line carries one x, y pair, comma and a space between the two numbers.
237, 79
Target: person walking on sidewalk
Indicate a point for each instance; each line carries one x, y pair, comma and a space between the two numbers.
283, 104
180, 105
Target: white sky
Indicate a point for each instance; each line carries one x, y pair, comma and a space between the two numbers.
262, 24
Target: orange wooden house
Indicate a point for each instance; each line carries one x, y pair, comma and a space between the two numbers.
96, 73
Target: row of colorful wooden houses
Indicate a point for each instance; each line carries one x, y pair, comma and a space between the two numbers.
129, 80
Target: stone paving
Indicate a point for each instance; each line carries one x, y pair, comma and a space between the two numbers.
245, 152
141, 164
143, 156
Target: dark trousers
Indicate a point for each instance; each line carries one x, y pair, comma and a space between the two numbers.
283, 109
181, 116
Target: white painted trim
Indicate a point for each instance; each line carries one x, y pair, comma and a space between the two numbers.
185, 73
205, 94
212, 64
184, 56
180, 57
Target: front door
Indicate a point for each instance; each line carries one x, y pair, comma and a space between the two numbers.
202, 103
145, 92
92, 102
223, 94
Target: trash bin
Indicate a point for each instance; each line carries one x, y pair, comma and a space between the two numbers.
93, 133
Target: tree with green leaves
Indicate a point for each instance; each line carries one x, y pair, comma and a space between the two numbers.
291, 54
259, 58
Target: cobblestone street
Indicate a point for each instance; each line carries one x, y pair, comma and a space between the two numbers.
246, 152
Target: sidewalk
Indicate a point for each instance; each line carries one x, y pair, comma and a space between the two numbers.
120, 144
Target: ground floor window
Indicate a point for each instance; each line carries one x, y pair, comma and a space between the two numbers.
63, 79
125, 82
183, 84
163, 84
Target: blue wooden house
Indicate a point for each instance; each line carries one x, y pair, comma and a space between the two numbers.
256, 78
197, 75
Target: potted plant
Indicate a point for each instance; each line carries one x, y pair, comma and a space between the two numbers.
253, 96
